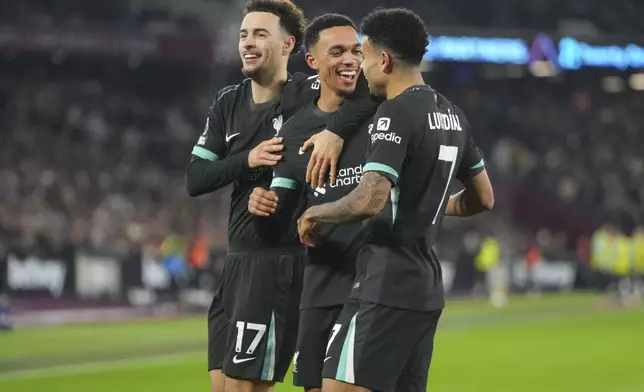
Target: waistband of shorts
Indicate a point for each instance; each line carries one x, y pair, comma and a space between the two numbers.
235, 248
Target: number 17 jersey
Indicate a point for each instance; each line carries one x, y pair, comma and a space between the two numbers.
420, 142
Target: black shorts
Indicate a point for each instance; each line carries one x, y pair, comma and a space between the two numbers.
253, 319
382, 348
316, 326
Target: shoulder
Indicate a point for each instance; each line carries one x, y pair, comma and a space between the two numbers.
400, 109
302, 80
229, 94
299, 127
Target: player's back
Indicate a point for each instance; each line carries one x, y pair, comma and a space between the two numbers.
417, 141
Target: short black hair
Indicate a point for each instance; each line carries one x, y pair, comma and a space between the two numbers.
323, 22
291, 17
398, 30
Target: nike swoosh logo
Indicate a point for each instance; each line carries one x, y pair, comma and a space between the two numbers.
231, 136
235, 360
326, 359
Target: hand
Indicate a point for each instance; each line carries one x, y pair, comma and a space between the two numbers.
266, 153
326, 152
306, 229
262, 202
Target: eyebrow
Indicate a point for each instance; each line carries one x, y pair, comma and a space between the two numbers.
334, 47
256, 30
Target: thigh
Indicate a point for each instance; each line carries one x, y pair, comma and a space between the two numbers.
217, 331
414, 376
261, 296
315, 327
374, 345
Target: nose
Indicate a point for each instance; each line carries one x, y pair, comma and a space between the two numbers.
249, 43
350, 59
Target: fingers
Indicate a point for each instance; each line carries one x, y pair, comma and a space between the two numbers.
272, 142
268, 161
310, 142
310, 167
315, 173
272, 148
262, 202
324, 169
334, 170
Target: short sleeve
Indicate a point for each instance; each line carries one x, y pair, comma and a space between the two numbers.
211, 144
472, 162
390, 135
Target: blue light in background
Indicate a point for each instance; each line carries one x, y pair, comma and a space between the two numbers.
574, 54
478, 49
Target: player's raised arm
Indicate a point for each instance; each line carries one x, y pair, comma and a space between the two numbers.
210, 168
478, 195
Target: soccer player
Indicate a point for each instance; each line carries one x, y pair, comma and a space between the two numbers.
252, 322
334, 51
419, 143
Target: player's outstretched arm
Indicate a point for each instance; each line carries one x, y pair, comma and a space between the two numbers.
367, 200
477, 197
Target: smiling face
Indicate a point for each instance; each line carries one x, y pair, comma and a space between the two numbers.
262, 44
337, 57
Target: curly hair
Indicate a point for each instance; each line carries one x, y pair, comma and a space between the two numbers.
398, 30
291, 17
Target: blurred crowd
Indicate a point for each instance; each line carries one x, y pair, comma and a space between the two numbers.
96, 164
567, 136
615, 17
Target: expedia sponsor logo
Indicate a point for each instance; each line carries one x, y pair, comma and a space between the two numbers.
389, 136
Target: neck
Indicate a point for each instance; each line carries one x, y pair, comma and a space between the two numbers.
267, 86
402, 80
329, 100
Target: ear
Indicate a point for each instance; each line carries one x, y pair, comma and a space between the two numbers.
311, 61
288, 46
386, 62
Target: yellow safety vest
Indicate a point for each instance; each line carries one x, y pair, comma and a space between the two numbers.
622, 264
638, 253
600, 250
488, 256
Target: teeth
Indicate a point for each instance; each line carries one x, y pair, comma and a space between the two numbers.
251, 56
348, 73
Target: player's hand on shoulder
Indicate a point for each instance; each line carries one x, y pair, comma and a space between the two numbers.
262, 202
327, 147
266, 153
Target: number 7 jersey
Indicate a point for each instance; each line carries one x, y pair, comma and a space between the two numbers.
421, 142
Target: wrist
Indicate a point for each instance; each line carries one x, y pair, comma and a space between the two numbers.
246, 163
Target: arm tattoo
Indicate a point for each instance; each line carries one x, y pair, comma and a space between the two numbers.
368, 199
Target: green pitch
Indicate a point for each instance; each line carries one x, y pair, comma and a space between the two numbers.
553, 343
